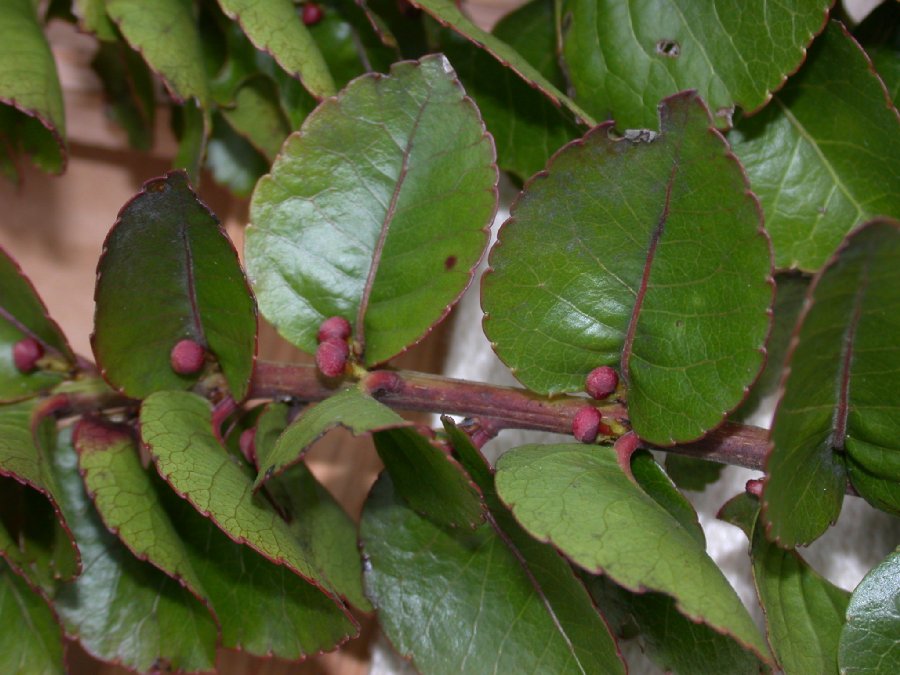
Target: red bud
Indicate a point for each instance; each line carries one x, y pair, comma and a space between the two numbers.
586, 424
26, 353
187, 357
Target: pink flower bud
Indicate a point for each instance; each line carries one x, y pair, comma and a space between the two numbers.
337, 327
187, 357
331, 357
601, 382
26, 353
586, 424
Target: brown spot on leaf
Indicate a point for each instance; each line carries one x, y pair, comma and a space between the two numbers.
450, 262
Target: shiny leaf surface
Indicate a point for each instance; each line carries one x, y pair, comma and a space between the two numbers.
30, 637
168, 273
819, 176
359, 219
624, 57
645, 253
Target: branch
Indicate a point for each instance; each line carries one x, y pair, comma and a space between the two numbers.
504, 407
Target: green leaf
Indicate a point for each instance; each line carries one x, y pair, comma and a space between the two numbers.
563, 594
93, 19
644, 252
623, 58
123, 610
527, 127
351, 409
257, 115
191, 126
450, 15
869, 642
315, 517
38, 544
169, 272
22, 314
129, 89
654, 481
690, 473
35, 123
429, 479
790, 292
673, 641
360, 218
176, 427
819, 176
804, 612
457, 600
30, 637
840, 405
262, 608
274, 26
232, 160
578, 499
166, 34
348, 43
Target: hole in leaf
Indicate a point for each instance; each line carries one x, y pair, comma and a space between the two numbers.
668, 48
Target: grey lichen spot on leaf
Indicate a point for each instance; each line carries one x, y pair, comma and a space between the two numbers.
668, 48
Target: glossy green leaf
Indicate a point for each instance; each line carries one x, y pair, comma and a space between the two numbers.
40, 546
674, 642
623, 58
654, 481
176, 427
169, 272
257, 115
166, 34
644, 253
130, 93
22, 314
577, 498
790, 292
819, 176
839, 410
359, 217
30, 637
527, 127
563, 594
351, 409
869, 642
192, 127
262, 608
232, 159
121, 609
804, 611
457, 600
450, 15
274, 26
35, 123
428, 479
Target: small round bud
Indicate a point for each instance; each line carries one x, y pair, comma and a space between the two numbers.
754, 487
26, 353
331, 357
601, 382
247, 443
586, 424
311, 14
337, 327
187, 357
